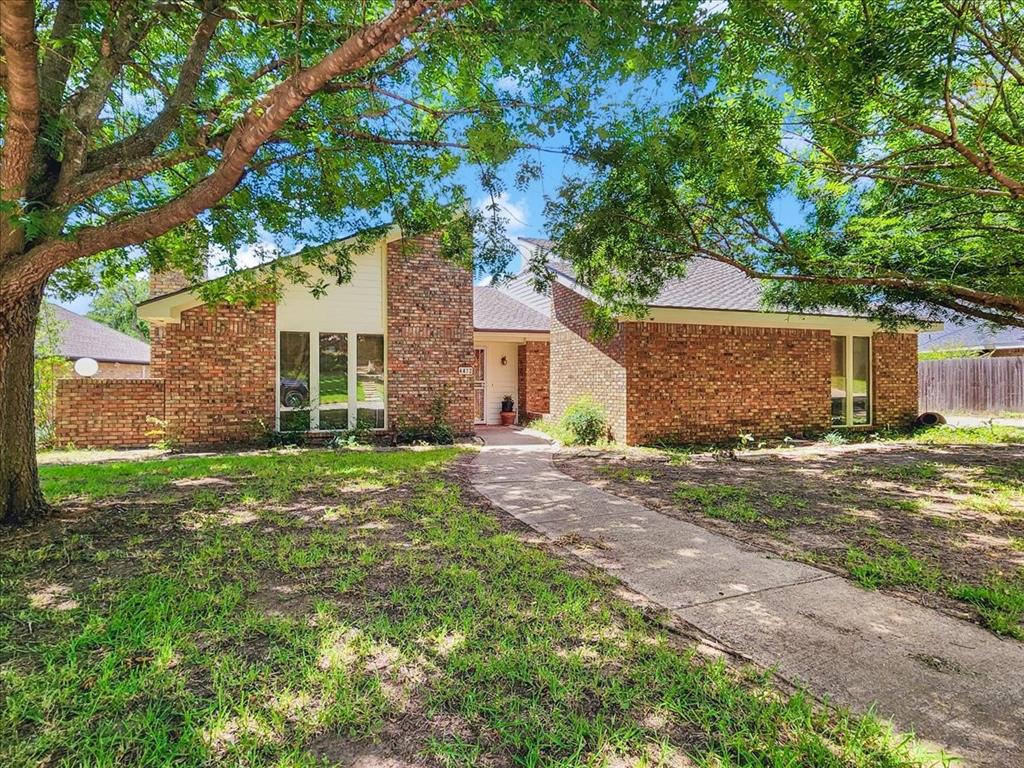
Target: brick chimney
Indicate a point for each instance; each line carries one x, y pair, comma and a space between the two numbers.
161, 283
171, 280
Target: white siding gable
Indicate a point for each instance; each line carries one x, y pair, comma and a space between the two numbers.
353, 307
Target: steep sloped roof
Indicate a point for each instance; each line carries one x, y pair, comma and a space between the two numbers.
82, 337
522, 289
971, 334
494, 310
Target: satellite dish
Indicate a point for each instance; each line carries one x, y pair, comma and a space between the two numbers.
86, 366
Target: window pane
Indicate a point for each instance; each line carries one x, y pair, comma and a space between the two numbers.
294, 369
370, 418
838, 379
294, 421
861, 383
334, 418
333, 369
370, 383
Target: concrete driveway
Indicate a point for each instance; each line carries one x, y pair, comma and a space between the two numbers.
949, 681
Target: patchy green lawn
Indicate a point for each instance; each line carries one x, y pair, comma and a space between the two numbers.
303, 608
938, 517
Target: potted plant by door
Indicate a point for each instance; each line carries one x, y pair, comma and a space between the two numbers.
508, 415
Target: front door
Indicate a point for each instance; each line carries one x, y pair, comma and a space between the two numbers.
478, 386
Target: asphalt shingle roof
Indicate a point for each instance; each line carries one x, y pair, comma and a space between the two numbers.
970, 334
82, 337
494, 310
708, 284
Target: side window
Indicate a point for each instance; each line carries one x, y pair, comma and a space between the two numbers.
839, 380
294, 381
371, 394
851, 380
333, 404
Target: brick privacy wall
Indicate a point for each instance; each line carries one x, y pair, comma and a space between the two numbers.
707, 383
430, 334
219, 367
581, 366
112, 370
534, 379
894, 369
108, 413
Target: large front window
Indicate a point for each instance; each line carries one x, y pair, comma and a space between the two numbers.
331, 381
851, 380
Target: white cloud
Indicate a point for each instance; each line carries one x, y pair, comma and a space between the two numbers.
246, 257
515, 212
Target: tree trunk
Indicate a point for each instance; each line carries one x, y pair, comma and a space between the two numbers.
20, 498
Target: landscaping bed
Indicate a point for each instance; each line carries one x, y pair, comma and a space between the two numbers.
937, 517
310, 607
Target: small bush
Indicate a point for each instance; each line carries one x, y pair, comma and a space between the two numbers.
835, 438
585, 420
436, 430
436, 434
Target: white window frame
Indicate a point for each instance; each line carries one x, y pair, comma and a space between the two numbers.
314, 381
848, 401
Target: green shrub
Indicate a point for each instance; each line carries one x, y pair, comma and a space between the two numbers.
435, 430
436, 434
585, 420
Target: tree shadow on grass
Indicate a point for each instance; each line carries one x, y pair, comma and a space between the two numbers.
919, 520
364, 622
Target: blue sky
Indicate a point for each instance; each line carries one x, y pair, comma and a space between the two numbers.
523, 210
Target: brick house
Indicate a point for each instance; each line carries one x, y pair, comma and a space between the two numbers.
710, 361
410, 333
407, 334
118, 356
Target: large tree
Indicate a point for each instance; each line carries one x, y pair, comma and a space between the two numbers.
155, 134
863, 153
115, 305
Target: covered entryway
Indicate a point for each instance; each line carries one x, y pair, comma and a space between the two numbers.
495, 375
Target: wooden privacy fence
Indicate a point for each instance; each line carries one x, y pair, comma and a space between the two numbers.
988, 385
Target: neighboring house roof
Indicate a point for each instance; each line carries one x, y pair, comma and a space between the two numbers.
970, 334
494, 310
82, 337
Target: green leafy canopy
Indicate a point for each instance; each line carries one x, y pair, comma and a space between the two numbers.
868, 155
143, 116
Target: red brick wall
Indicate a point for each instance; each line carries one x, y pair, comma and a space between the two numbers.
219, 366
110, 370
708, 383
582, 366
108, 413
894, 368
430, 334
534, 379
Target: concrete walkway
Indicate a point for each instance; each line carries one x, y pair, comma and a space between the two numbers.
949, 681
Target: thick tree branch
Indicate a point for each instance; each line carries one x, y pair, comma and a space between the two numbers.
58, 57
258, 125
94, 182
146, 139
984, 165
131, 26
21, 54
